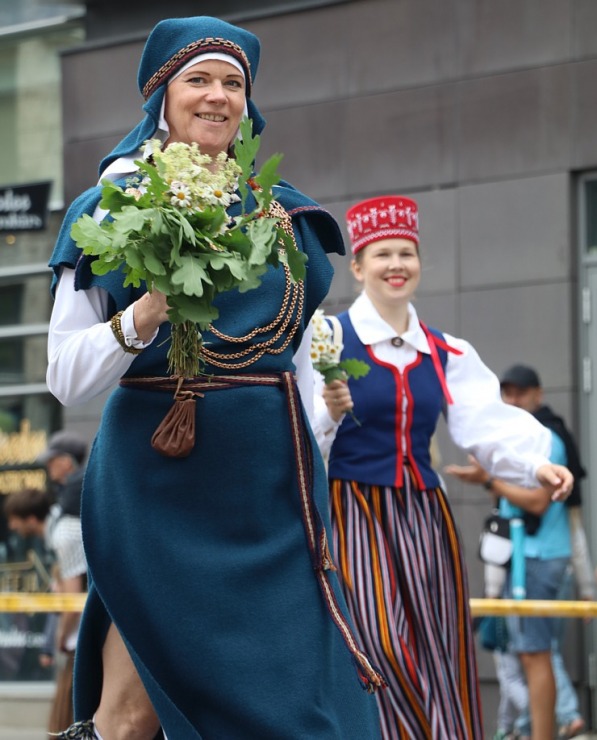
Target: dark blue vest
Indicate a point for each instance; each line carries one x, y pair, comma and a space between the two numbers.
392, 433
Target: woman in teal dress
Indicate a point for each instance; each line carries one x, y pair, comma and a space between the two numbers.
214, 610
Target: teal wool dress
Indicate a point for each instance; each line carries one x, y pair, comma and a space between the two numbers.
215, 567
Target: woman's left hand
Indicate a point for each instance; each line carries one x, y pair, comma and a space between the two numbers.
557, 479
337, 398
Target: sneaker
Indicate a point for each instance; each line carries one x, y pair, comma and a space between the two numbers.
78, 731
572, 729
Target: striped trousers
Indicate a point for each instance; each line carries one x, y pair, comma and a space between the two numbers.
403, 574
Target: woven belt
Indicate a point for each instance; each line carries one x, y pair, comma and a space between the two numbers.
175, 436
177, 431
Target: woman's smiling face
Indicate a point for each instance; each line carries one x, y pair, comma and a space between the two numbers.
205, 104
389, 270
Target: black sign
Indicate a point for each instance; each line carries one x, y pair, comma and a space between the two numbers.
24, 207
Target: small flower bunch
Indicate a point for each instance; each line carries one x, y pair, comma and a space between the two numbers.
326, 351
193, 185
169, 227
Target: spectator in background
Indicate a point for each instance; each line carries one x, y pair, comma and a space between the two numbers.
63, 460
31, 513
521, 387
554, 531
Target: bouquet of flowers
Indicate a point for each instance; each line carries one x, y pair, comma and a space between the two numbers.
326, 351
169, 228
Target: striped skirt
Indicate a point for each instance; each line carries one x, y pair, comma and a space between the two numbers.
403, 574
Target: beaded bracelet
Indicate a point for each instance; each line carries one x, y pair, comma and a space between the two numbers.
117, 331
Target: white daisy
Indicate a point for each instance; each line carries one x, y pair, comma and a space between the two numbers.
181, 195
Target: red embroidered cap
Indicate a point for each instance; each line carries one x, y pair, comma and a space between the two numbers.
385, 217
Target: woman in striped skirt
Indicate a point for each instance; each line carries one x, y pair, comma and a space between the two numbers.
396, 544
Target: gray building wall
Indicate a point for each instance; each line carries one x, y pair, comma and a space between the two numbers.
482, 111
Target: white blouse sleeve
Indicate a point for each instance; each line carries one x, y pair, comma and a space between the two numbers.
508, 442
310, 383
84, 357
304, 372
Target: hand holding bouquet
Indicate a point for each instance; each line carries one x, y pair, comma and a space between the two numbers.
326, 351
169, 227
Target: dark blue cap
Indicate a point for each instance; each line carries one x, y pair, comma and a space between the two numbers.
521, 376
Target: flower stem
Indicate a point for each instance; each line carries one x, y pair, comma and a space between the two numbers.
183, 354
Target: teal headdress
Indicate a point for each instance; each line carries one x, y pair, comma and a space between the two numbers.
169, 47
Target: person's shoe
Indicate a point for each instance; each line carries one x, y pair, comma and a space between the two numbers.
572, 729
78, 731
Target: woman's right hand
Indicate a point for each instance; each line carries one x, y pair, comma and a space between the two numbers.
337, 398
149, 313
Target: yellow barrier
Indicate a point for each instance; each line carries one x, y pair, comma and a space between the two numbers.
29, 602
529, 608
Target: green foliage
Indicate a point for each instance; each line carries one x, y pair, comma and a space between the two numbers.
245, 153
354, 368
173, 232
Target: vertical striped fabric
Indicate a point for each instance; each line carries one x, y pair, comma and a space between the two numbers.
403, 574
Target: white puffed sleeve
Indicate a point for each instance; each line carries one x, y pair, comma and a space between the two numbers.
508, 442
84, 357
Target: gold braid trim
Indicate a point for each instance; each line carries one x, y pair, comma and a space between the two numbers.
116, 327
292, 307
217, 44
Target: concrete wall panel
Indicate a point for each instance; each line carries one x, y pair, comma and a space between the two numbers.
385, 46
300, 63
100, 91
84, 157
515, 231
314, 141
439, 311
400, 141
530, 324
584, 23
401, 44
584, 106
514, 124
511, 34
438, 219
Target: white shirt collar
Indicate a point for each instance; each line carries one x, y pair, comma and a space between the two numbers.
121, 166
126, 165
371, 328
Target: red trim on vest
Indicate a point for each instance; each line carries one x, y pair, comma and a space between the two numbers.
410, 409
398, 478
401, 435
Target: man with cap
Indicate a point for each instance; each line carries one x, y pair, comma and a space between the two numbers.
548, 547
521, 386
63, 459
